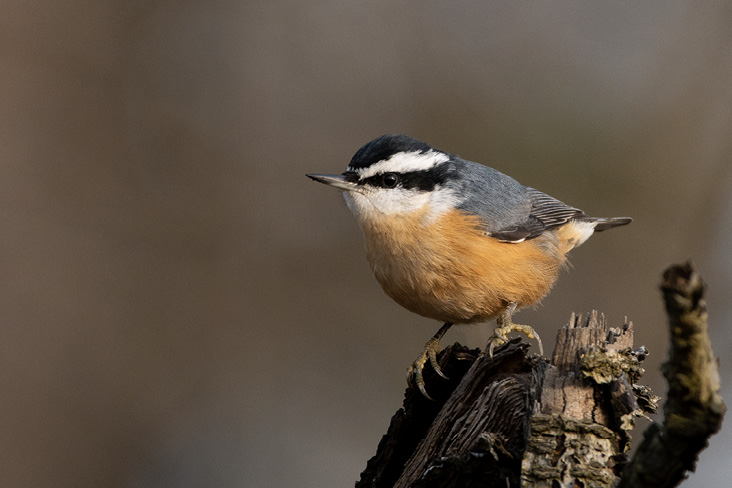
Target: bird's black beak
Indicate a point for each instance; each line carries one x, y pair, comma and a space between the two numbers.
336, 181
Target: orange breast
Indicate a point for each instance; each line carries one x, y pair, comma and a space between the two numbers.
449, 270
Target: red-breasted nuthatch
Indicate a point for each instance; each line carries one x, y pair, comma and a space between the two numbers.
457, 241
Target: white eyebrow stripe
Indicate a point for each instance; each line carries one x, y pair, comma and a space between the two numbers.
403, 162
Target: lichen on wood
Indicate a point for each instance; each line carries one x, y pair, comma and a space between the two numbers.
694, 409
520, 420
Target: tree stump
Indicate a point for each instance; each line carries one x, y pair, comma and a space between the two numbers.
580, 424
520, 420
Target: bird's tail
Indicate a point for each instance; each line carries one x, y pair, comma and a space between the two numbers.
604, 224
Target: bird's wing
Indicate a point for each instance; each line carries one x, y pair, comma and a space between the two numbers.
546, 212
550, 211
510, 211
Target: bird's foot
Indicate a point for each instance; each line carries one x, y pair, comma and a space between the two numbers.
431, 350
505, 326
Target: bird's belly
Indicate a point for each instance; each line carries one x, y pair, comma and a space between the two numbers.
449, 270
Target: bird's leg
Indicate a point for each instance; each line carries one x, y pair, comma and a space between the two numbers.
431, 349
506, 325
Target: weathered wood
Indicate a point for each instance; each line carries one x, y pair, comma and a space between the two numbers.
520, 420
410, 423
575, 439
694, 409
483, 422
562, 415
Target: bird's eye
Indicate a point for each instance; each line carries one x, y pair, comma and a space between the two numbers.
390, 180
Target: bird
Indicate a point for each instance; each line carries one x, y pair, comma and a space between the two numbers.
457, 241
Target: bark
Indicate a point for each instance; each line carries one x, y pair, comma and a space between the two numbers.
522, 420
694, 409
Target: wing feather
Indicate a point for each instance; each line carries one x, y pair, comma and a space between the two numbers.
546, 213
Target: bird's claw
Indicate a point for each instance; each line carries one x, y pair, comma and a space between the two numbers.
493, 341
414, 373
505, 325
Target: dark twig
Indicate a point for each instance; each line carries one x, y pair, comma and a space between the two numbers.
694, 409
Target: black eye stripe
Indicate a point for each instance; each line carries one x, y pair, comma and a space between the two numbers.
425, 180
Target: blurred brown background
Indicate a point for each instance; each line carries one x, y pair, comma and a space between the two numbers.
182, 307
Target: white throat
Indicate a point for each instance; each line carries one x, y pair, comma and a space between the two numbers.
375, 203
